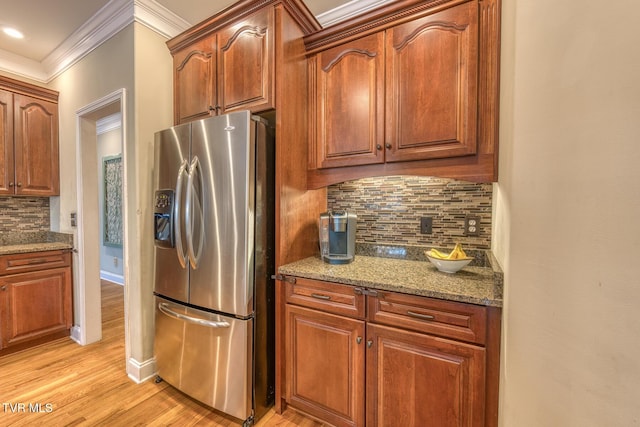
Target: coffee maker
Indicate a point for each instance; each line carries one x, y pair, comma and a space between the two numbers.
337, 237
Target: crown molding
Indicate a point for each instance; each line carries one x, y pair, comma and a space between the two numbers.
348, 10
158, 18
115, 16
106, 23
108, 123
21, 66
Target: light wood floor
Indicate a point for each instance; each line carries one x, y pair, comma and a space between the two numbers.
88, 386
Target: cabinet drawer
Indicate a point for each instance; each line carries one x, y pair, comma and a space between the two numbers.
328, 297
33, 261
466, 322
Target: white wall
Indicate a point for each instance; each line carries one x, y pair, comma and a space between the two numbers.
567, 220
137, 60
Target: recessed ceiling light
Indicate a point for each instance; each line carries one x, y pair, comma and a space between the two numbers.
12, 32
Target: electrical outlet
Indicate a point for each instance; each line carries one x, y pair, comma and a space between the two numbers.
472, 225
426, 222
73, 219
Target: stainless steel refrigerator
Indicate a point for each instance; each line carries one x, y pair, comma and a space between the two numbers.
214, 243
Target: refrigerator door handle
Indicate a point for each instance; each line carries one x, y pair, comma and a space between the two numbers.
164, 308
177, 217
194, 256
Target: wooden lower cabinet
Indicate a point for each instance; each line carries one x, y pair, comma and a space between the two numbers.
35, 306
416, 379
325, 375
391, 359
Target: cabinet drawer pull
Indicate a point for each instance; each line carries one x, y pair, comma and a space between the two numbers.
420, 315
37, 261
320, 296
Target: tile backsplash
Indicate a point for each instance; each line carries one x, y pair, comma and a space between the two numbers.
24, 214
389, 210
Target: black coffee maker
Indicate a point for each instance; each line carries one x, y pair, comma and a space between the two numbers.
337, 237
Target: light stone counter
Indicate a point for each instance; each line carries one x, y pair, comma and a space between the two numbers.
475, 285
15, 243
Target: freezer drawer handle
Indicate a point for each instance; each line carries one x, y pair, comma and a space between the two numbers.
164, 307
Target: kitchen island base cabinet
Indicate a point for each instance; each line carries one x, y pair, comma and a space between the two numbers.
358, 356
326, 365
419, 380
35, 303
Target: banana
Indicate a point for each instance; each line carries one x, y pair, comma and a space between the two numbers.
456, 253
434, 253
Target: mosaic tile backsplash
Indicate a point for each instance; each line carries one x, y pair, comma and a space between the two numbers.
24, 214
389, 210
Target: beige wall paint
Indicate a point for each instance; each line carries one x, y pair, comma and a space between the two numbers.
137, 60
154, 111
566, 226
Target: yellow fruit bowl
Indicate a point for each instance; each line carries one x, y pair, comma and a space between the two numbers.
447, 265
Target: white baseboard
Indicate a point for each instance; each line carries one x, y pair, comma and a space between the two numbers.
115, 278
76, 334
140, 372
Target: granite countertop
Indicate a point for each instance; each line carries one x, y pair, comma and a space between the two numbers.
481, 284
15, 243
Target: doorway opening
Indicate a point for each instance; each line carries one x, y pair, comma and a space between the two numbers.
87, 290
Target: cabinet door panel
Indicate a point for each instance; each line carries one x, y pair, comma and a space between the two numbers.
38, 304
6, 143
325, 365
350, 103
194, 80
245, 76
36, 147
419, 380
432, 71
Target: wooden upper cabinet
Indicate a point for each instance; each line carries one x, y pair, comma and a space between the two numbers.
194, 81
435, 103
245, 63
432, 73
29, 157
7, 173
349, 104
36, 147
230, 69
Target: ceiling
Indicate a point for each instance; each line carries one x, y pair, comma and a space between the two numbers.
56, 31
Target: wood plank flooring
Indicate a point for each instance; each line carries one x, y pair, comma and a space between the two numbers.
64, 384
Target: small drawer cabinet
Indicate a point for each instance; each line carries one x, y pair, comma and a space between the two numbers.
364, 357
35, 298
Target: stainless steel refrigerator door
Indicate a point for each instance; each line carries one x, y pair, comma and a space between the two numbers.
205, 355
220, 219
171, 152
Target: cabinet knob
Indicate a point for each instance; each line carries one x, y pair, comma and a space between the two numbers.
358, 340
3, 288
11, 184
369, 343
378, 147
19, 184
388, 146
